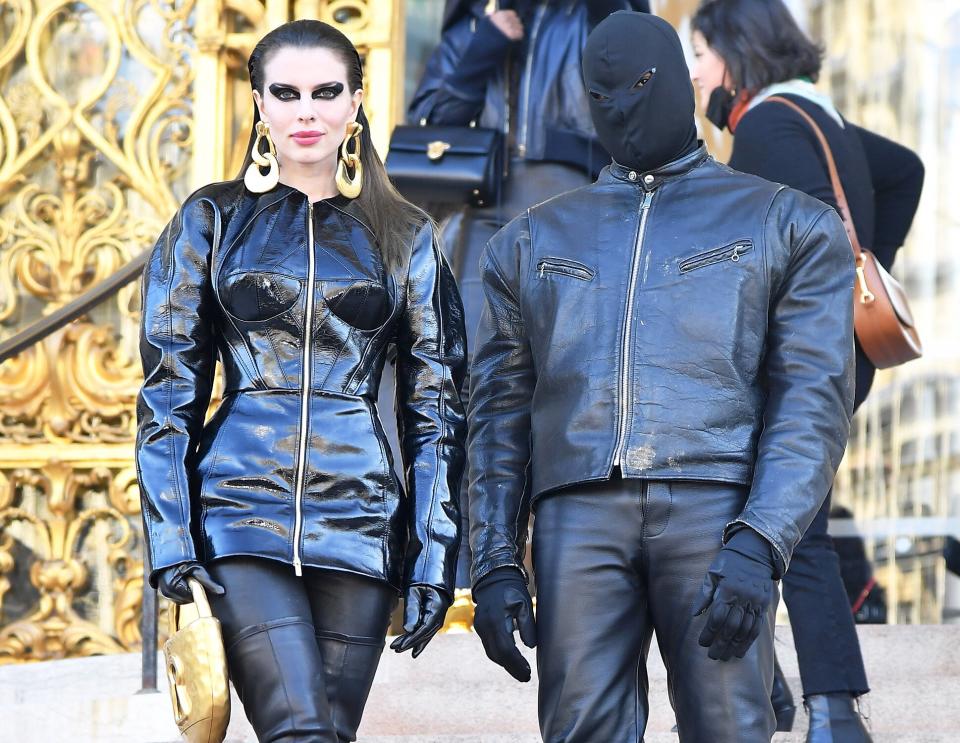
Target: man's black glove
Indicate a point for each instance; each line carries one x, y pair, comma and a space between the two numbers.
424, 610
172, 582
738, 589
503, 604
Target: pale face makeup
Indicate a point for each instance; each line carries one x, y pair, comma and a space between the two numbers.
308, 105
709, 70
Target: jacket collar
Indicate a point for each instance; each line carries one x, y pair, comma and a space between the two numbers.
654, 178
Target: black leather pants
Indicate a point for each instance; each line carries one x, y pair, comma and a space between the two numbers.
301, 652
614, 563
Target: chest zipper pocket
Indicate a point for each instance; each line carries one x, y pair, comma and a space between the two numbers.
733, 252
564, 267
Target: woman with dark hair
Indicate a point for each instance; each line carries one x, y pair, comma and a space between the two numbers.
748, 51
284, 504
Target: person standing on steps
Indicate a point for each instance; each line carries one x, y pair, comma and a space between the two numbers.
284, 504
664, 374
748, 51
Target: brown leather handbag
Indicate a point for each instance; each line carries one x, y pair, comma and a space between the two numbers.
882, 317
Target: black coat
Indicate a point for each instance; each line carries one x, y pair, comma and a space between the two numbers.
468, 78
692, 323
294, 465
881, 179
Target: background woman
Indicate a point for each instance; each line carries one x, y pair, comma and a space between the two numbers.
285, 505
747, 51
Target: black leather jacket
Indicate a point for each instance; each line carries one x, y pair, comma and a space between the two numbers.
689, 323
302, 478
466, 79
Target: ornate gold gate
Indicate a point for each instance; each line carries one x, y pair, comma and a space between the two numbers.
111, 112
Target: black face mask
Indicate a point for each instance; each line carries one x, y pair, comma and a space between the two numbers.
641, 97
720, 106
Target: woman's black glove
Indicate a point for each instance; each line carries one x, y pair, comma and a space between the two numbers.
424, 610
172, 582
738, 590
504, 603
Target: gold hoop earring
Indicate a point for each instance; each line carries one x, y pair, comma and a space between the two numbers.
350, 187
253, 179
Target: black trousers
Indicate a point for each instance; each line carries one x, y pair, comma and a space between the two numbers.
824, 632
616, 562
301, 652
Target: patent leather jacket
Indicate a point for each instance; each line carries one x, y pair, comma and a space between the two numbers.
294, 465
689, 323
551, 117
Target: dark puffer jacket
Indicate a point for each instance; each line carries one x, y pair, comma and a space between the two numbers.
294, 465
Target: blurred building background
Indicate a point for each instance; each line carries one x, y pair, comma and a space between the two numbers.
112, 111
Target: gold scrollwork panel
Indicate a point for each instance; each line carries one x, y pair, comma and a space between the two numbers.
111, 112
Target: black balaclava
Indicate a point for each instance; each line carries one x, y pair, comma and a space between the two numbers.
641, 97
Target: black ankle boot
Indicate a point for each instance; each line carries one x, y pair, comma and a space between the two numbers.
834, 718
278, 673
782, 700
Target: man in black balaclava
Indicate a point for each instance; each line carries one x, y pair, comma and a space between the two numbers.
641, 99
663, 373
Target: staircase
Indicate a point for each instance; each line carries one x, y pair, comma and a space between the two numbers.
453, 694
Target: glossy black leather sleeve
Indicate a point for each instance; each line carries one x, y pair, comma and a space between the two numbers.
502, 380
178, 357
431, 364
809, 367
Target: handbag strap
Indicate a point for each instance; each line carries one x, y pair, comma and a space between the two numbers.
199, 598
838, 191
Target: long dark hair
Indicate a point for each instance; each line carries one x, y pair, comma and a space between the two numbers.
759, 40
392, 218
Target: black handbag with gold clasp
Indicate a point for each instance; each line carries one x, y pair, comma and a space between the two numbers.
446, 164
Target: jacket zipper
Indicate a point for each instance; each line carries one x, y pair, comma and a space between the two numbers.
627, 326
564, 268
522, 146
728, 252
305, 396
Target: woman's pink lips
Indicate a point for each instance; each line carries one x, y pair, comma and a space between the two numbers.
307, 138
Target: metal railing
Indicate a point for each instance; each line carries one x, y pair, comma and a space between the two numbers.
36, 333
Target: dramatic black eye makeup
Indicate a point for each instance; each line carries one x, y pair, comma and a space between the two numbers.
327, 91
645, 77
599, 96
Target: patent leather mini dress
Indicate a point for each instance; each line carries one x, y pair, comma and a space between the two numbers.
295, 300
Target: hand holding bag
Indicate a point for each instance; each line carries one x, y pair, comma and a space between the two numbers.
197, 670
882, 317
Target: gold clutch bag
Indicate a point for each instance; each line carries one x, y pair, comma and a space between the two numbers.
197, 670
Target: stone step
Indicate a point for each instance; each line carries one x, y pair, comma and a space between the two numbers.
453, 694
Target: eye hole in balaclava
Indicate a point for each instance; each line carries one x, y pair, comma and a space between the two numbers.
641, 97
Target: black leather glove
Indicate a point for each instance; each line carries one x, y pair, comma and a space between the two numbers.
504, 603
172, 582
424, 609
738, 590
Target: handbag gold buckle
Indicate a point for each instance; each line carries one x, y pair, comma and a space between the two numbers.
866, 296
437, 149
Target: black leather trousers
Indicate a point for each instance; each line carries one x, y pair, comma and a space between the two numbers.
616, 562
301, 652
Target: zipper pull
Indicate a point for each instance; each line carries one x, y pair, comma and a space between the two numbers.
298, 567
735, 256
542, 267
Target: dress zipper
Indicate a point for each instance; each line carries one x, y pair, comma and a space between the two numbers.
522, 146
625, 356
305, 396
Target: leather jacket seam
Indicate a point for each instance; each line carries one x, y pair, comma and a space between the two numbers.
214, 271
213, 465
438, 261
184, 531
356, 219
